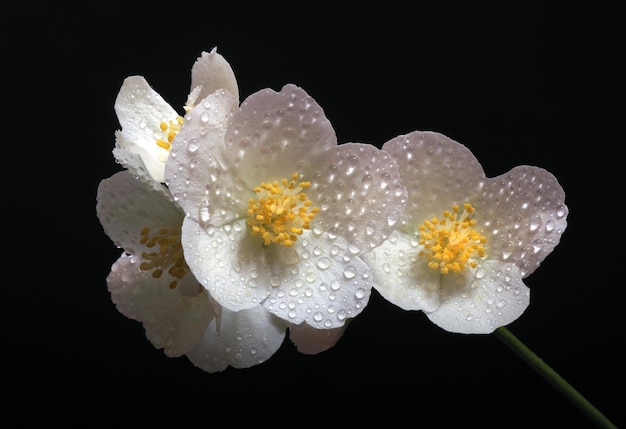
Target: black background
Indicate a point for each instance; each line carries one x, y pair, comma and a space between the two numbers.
537, 85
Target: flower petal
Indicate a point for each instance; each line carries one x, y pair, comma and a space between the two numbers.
138, 161
200, 182
401, 276
245, 338
140, 111
360, 196
527, 216
310, 341
313, 283
437, 172
495, 297
272, 132
228, 262
172, 321
212, 72
125, 206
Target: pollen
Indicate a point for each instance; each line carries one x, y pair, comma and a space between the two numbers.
451, 243
167, 256
280, 211
169, 129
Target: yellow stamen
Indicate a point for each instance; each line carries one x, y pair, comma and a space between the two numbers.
450, 243
169, 256
281, 211
170, 129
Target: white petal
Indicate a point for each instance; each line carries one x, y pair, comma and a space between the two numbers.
437, 172
359, 194
312, 283
495, 297
311, 341
526, 218
126, 205
172, 321
228, 262
140, 111
245, 338
273, 132
212, 72
199, 180
401, 276
135, 159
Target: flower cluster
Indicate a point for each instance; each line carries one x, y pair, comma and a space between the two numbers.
243, 223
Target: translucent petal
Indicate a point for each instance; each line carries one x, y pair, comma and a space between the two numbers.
495, 297
273, 132
401, 276
212, 72
360, 196
228, 262
125, 206
245, 338
437, 172
310, 341
196, 173
314, 284
140, 111
173, 322
526, 216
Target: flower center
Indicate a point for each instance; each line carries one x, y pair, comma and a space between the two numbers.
281, 211
170, 129
169, 256
450, 243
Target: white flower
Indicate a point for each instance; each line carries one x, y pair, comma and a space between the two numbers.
151, 283
277, 213
465, 241
149, 123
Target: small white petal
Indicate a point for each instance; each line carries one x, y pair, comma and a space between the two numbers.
311, 341
212, 72
245, 338
140, 111
172, 321
125, 205
481, 305
401, 276
228, 262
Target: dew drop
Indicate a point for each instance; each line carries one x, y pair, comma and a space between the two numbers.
290, 256
349, 272
204, 212
507, 250
275, 280
323, 263
535, 221
392, 217
480, 273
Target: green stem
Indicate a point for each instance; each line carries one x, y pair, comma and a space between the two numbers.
553, 378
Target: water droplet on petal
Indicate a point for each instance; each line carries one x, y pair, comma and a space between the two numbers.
349, 272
